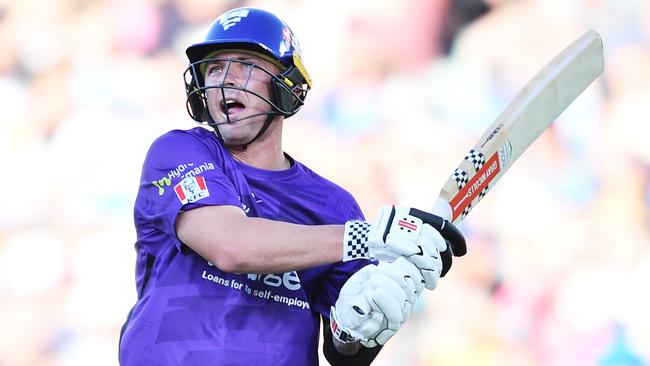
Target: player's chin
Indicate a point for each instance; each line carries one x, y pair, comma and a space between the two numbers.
236, 135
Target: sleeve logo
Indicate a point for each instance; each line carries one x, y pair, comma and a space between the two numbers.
191, 189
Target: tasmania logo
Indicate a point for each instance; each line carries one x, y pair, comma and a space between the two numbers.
191, 189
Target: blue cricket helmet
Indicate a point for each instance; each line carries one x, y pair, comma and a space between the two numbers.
258, 31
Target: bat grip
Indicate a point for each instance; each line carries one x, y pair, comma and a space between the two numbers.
442, 209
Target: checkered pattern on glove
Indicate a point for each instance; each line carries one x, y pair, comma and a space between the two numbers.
355, 242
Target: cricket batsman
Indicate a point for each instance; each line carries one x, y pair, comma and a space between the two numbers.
242, 250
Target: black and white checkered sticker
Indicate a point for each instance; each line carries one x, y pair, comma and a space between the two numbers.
476, 158
460, 177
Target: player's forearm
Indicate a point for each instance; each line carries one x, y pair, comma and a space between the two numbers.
267, 246
236, 243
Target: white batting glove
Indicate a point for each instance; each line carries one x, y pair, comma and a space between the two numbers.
398, 232
375, 302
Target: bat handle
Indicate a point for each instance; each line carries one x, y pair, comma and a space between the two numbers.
442, 209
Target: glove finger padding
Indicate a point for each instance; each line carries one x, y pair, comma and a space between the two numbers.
390, 298
372, 323
375, 302
380, 339
352, 317
355, 311
348, 325
443, 255
428, 260
406, 275
352, 304
392, 316
413, 235
370, 317
433, 239
429, 269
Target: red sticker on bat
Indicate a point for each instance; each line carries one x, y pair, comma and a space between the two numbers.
475, 185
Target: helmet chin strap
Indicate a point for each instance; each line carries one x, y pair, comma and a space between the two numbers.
267, 121
265, 126
243, 147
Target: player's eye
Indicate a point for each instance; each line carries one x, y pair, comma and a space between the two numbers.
214, 69
245, 65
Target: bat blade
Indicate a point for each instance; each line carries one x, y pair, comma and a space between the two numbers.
529, 114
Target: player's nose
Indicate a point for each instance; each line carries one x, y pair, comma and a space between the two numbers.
233, 75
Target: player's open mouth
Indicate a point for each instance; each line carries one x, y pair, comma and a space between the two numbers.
231, 107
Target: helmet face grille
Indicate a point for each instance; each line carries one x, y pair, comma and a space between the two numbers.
284, 99
259, 31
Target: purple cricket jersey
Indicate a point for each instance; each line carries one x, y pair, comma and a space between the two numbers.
191, 313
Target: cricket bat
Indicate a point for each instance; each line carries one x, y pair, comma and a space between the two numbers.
529, 114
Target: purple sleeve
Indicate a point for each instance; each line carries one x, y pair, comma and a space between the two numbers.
180, 172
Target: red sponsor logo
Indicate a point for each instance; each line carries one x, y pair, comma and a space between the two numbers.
191, 189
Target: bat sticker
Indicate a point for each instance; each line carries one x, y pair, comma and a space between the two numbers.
505, 153
475, 185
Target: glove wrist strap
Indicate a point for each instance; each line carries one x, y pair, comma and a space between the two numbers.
355, 240
339, 333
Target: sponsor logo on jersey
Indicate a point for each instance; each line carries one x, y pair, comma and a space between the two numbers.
288, 280
191, 189
182, 170
161, 184
274, 286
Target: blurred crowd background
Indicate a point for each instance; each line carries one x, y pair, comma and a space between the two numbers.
559, 252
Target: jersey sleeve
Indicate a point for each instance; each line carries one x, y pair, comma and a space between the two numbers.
181, 172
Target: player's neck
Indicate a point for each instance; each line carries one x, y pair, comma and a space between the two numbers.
265, 152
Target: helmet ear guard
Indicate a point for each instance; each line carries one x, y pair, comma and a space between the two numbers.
195, 104
287, 91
